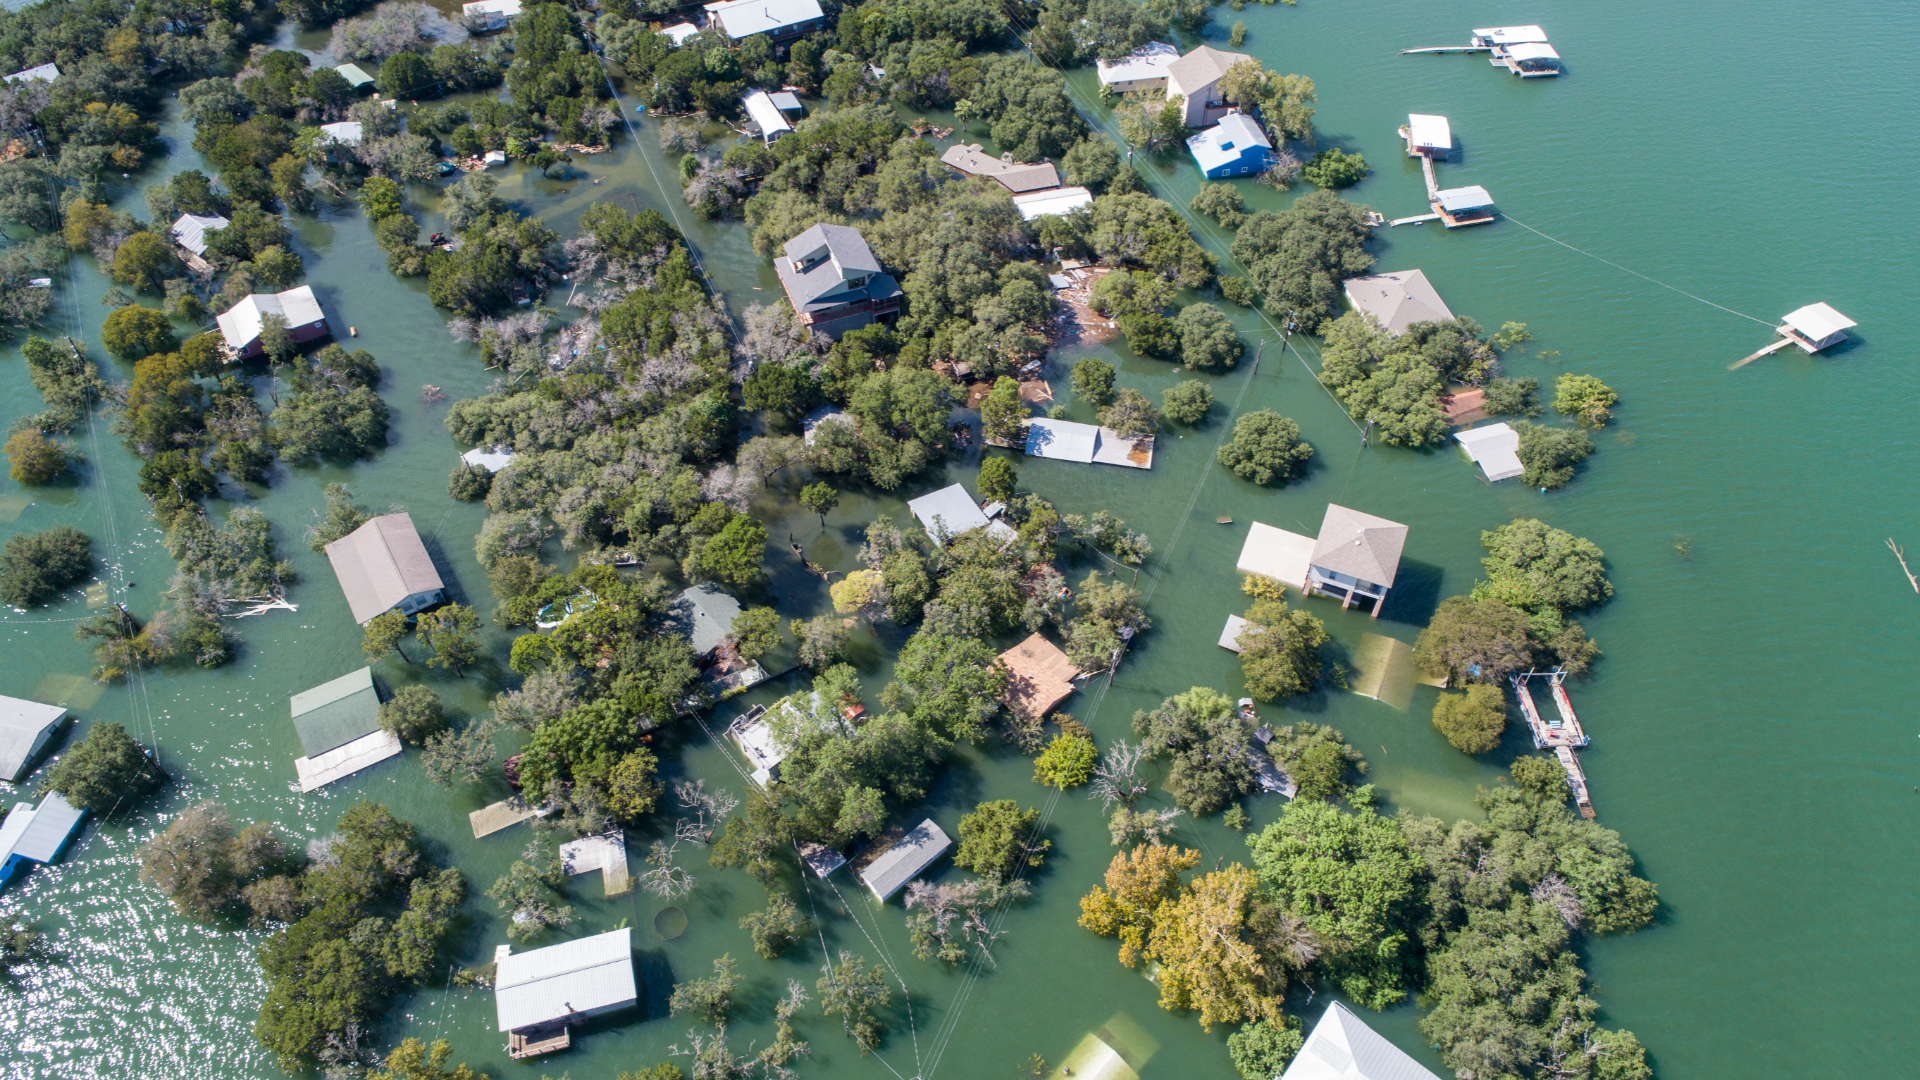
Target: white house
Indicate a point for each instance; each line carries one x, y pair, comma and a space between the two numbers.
490, 14
679, 32
1342, 1047
952, 511
904, 861
537, 992
1195, 77
1145, 69
382, 565
766, 116
240, 325
1064, 200
781, 20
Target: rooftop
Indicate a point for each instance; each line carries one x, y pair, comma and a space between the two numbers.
1200, 67
192, 229
1149, 61
704, 613
240, 325
1398, 300
1230, 633
45, 73
1818, 321
491, 460
585, 975
346, 132
1015, 176
1429, 132
1494, 447
356, 76
1056, 201
380, 564
1342, 1047
678, 33
39, 833
1359, 545
1532, 50
491, 7
25, 727
1066, 440
1039, 676
1228, 141
950, 508
1277, 554
336, 713
904, 861
1464, 198
744, 18
1511, 35
766, 115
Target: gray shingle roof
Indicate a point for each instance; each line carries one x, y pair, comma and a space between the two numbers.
1015, 176
380, 564
844, 245
1201, 66
705, 615
1398, 300
1359, 545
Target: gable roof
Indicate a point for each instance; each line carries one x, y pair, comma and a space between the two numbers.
1359, 545
952, 507
579, 976
1039, 676
903, 861
336, 712
1149, 61
761, 109
846, 248
39, 833
346, 132
355, 75
744, 18
192, 229
1015, 176
380, 564
1060, 200
1496, 448
1200, 67
679, 32
705, 614
45, 73
1464, 198
1398, 299
24, 725
240, 324
1817, 320
1228, 141
1343, 1047
848, 257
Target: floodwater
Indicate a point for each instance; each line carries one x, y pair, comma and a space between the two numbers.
1708, 147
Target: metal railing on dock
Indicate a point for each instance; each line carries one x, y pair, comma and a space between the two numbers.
1561, 735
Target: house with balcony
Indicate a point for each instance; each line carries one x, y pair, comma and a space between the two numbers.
1355, 557
834, 282
1195, 78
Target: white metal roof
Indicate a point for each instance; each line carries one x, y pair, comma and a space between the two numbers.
45, 73
744, 18
192, 229
1061, 440
1432, 132
491, 460
1818, 321
240, 325
355, 75
39, 833
1230, 634
766, 115
1277, 554
903, 862
24, 725
1464, 198
1494, 447
680, 32
494, 157
580, 976
1342, 1047
346, 132
1511, 35
952, 507
1149, 61
1058, 201
508, 8
1227, 141
1532, 50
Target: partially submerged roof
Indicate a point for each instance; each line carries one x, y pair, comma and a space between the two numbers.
240, 325
1511, 35
678, 33
1039, 676
1201, 66
1496, 448
491, 460
1535, 50
950, 508
1015, 176
1230, 633
704, 613
39, 833
584, 975
1277, 554
192, 229
904, 861
504, 8
1342, 1047
1149, 61
1398, 300
25, 726
1056, 201
766, 115
44, 72
346, 132
825, 414
1818, 321
356, 77
785, 101
1464, 198
744, 18
1429, 132
1066, 440
380, 564
336, 713
1230, 142
1359, 545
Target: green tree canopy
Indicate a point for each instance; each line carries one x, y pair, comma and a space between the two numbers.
1266, 448
1298, 257
1473, 721
35, 567
997, 836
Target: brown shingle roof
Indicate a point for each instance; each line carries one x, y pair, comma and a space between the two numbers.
1201, 66
380, 564
1015, 176
1039, 676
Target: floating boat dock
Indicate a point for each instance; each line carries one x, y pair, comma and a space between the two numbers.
1562, 734
1522, 50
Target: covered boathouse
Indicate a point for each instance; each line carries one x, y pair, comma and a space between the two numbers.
540, 995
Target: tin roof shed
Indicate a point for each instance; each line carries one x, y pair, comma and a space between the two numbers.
904, 861
1496, 448
574, 979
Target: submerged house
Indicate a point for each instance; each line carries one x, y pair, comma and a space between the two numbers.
1195, 78
1496, 449
1343, 1047
1144, 69
1068, 440
44, 73
781, 20
1234, 147
191, 230
483, 15
382, 565
1397, 300
26, 727
834, 282
540, 995
905, 860
39, 834
356, 76
766, 115
339, 727
951, 512
705, 614
1039, 676
1016, 176
240, 326
344, 133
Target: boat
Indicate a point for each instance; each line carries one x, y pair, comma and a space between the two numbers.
1223, 521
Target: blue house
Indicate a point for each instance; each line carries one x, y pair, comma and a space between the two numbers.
1234, 147
36, 834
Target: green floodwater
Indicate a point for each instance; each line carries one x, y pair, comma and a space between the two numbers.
1748, 153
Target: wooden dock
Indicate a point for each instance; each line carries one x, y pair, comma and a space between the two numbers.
1768, 351
504, 814
1433, 186
1415, 220
1562, 735
521, 1047
1435, 49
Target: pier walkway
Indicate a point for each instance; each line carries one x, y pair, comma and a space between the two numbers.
1562, 734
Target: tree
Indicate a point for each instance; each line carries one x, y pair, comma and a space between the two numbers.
453, 633
1262, 1050
997, 479
1354, 880
755, 632
861, 592
1483, 640
755, 839
997, 836
1131, 415
948, 684
1512, 397
34, 459
142, 260
1093, 379
820, 499
1298, 257
1472, 721
103, 769
1333, 168
1585, 398
1266, 448
1280, 650
134, 331
383, 634
20, 944
406, 75
777, 927
458, 757
1531, 565
202, 865
1208, 341
413, 1060
1221, 202
1224, 949
1002, 413
632, 792
1067, 762
708, 997
414, 714
469, 483
380, 198
853, 990
1136, 884
731, 556
528, 895
1550, 455
1187, 402
822, 640
1208, 742
35, 567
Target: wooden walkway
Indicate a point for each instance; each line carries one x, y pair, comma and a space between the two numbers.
1446, 49
1415, 220
1768, 351
1433, 186
501, 815
606, 853
520, 1047
1562, 736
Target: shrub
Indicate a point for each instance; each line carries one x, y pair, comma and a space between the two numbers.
414, 714
1513, 397
469, 483
1584, 398
1266, 448
1067, 762
103, 769
997, 479
995, 836
1472, 721
1239, 290
35, 459
1262, 1049
1187, 402
34, 567
1332, 168
1551, 455
1093, 380
1208, 341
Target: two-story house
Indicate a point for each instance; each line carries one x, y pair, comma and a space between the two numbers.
1195, 78
1355, 557
833, 281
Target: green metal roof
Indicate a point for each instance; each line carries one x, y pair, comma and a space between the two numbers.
336, 713
355, 77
